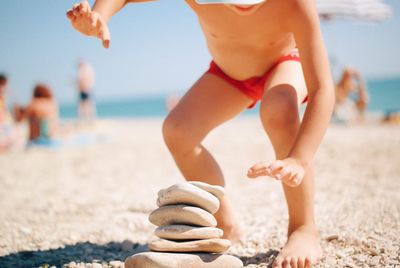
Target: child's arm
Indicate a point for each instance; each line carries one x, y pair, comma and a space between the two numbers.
108, 8
317, 74
318, 79
304, 23
94, 22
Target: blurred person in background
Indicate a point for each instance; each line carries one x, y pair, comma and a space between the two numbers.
6, 123
3, 88
86, 78
391, 117
351, 97
42, 116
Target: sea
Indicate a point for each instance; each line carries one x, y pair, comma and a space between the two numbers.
384, 97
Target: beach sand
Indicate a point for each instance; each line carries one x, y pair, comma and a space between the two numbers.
90, 203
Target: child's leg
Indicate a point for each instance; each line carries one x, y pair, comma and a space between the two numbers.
209, 103
280, 118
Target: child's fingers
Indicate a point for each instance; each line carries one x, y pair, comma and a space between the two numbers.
259, 169
254, 173
82, 8
284, 173
276, 165
290, 173
94, 18
288, 180
78, 8
104, 35
85, 7
75, 9
70, 14
276, 168
106, 43
298, 178
295, 178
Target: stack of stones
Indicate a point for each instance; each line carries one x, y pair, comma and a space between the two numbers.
187, 230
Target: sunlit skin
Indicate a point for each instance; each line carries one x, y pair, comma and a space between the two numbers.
246, 41
245, 9
3, 106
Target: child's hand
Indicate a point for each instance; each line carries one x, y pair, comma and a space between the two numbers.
89, 22
289, 170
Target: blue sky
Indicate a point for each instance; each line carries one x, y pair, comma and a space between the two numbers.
156, 49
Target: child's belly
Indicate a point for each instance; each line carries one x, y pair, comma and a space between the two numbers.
244, 60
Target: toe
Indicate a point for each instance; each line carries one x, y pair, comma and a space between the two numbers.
278, 262
293, 262
300, 262
309, 262
286, 262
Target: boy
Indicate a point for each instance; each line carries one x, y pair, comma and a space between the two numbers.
255, 46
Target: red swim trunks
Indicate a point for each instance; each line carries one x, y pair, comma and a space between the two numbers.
254, 86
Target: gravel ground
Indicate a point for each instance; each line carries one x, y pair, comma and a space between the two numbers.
87, 206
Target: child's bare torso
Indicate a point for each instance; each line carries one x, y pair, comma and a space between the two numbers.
245, 46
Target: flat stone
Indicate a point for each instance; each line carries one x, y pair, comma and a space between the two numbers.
186, 193
182, 214
205, 245
181, 260
216, 190
185, 232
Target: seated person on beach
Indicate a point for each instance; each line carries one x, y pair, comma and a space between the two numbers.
262, 50
391, 117
86, 107
42, 116
350, 108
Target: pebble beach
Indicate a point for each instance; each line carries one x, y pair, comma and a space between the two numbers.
87, 205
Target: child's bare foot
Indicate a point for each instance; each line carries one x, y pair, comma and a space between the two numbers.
227, 221
289, 170
301, 250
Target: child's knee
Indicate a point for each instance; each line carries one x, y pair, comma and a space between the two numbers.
174, 133
280, 111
